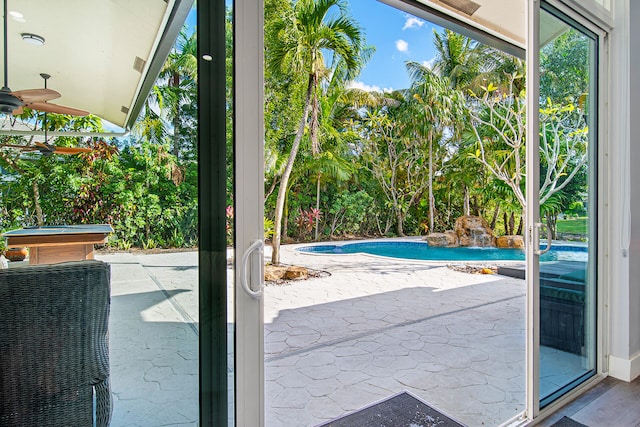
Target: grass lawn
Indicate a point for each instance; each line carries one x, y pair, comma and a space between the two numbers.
572, 226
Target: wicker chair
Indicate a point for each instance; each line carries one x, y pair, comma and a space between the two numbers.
54, 345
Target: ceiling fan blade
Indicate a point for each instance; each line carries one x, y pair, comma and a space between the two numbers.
55, 108
17, 111
20, 147
52, 149
43, 146
71, 150
29, 96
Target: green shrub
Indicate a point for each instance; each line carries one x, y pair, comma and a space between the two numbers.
349, 211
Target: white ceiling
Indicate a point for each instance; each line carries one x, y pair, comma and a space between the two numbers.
90, 50
505, 19
500, 23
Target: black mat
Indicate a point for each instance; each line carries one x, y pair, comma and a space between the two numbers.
567, 422
400, 410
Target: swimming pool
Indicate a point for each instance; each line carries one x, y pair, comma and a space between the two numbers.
422, 251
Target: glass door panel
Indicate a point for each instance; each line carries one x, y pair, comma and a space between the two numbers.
567, 195
217, 211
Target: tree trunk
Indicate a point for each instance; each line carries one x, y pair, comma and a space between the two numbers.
506, 224
176, 120
551, 223
512, 223
467, 202
176, 136
431, 201
271, 188
400, 220
285, 219
474, 206
284, 182
317, 204
520, 225
494, 219
147, 222
36, 203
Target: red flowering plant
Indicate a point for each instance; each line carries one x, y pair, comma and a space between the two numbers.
229, 225
306, 221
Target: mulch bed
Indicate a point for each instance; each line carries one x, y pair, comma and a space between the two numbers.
474, 268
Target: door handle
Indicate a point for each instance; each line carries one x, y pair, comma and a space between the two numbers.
537, 226
255, 247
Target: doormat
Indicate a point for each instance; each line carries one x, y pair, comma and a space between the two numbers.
400, 410
567, 422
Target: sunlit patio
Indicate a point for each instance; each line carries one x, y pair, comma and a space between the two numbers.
371, 328
378, 326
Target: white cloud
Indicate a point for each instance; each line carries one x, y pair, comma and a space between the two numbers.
412, 22
429, 63
402, 45
368, 88
363, 86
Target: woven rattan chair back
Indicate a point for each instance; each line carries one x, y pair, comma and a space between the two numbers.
54, 345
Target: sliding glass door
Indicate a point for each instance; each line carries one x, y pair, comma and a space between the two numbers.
562, 147
562, 203
568, 171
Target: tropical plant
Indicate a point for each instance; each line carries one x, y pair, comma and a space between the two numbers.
564, 70
458, 58
499, 128
268, 228
395, 160
306, 220
180, 73
438, 111
303, 39
349, 211
229, 224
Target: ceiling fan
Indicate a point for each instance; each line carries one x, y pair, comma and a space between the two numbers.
36, 99
44, 147
48, 149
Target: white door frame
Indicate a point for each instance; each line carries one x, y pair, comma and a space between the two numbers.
600, 27
249, 210
532, 407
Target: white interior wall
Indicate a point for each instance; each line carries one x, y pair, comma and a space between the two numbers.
624, 193
634, 158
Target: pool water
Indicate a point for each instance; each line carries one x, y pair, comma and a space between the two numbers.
422, 251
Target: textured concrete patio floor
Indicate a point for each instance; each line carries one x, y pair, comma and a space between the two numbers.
334, 344
153, 343
378, 326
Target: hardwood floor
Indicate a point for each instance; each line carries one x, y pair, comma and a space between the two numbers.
611, 403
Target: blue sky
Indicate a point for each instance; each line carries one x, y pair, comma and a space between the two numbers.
397, 36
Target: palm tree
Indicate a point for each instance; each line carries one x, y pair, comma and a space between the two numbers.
180, 73
338, 107
457, 57
151, 125
303, 38
438, 110
174, 88
467, 64
471, 66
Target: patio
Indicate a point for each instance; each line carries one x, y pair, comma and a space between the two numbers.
378, 326
333, 344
